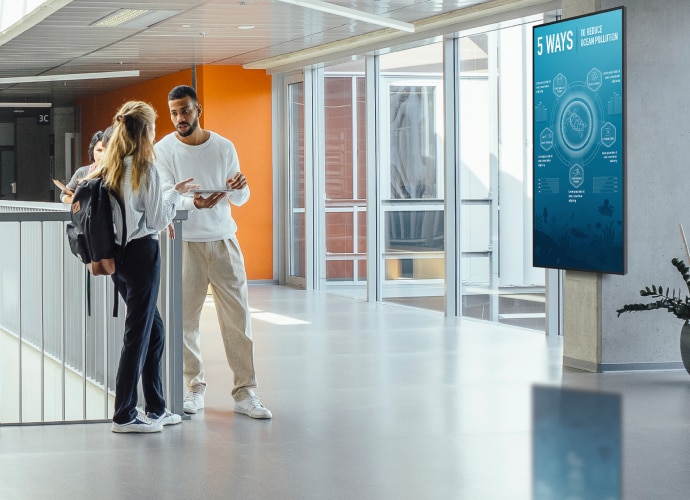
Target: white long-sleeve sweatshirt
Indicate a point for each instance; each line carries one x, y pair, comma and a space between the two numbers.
211, 164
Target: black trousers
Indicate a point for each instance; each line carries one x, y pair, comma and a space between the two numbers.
138, 281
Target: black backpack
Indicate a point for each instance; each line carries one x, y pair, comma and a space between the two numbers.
92, 231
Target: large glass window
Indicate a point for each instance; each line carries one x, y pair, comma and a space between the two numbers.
344, 162
498, 281
412, 200
296, 168
395, 195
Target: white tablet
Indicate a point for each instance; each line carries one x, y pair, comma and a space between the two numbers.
211, 191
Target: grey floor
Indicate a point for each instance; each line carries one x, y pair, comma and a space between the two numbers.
370, 401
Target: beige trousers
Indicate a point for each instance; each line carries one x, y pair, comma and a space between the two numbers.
219, 264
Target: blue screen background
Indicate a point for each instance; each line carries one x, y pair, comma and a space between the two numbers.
579, 144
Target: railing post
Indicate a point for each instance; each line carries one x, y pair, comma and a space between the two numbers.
174, 334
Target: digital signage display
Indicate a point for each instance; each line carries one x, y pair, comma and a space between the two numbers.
578, 163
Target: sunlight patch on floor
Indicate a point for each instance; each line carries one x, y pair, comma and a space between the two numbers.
276, 319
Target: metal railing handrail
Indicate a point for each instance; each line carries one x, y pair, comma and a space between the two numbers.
43, 308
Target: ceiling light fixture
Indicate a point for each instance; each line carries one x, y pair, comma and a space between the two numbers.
73, 76
26, 104
337, 10
120, 16
134, 18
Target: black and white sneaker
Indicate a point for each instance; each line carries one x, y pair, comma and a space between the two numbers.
140, 423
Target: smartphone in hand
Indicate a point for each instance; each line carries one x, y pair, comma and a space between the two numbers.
62, 187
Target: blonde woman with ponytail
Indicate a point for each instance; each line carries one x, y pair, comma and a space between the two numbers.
128, 169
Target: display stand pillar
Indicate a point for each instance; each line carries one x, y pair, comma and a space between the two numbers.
581, 290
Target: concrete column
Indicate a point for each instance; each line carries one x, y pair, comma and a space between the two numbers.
581, 291
574, 8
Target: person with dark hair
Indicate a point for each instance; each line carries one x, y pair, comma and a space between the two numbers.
211, 254
127, 169
106, 137
96, 150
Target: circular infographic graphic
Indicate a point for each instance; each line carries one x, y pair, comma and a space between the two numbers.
577, 116
576, 124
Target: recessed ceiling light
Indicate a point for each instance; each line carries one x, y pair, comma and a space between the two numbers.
134, 18
246, 27
119, 17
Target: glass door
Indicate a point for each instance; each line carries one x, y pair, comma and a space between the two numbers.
498, 282
7, 177
296, 217
344, 260
412, 236
7, 160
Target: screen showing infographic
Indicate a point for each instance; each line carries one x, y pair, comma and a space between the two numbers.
578, 137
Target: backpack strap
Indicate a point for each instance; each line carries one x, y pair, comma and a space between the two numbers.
88, 292
116, 299
123, 244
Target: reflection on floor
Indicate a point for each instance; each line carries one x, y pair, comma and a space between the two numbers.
370, 401
526, 310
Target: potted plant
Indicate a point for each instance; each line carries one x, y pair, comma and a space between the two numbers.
671, 300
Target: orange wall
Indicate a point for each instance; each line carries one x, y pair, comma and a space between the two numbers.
98, 112
236, 104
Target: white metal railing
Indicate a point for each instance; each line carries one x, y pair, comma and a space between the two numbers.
59, 351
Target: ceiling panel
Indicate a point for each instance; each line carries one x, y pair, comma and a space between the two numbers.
203, 32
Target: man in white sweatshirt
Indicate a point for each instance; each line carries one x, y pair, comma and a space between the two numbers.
211, 252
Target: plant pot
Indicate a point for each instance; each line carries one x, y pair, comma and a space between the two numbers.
685, 345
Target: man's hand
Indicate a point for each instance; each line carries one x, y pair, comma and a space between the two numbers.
186, 185
210, 202
237, 182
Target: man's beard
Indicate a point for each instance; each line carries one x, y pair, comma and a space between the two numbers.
191, 129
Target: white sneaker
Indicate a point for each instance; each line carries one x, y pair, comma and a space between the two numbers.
193, 402
252, 407
167, 418
140, 423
